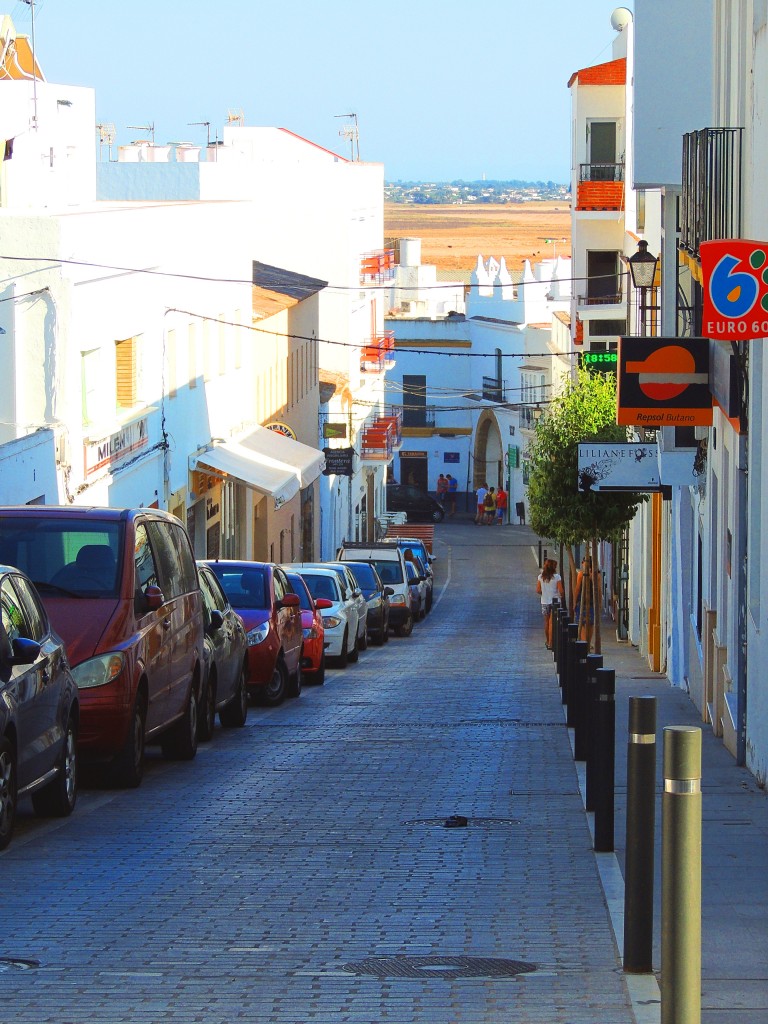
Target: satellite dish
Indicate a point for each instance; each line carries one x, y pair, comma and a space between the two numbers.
620, 18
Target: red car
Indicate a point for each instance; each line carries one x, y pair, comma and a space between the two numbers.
313, 662
261, 594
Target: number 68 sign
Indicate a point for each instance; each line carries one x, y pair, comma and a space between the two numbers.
735, 282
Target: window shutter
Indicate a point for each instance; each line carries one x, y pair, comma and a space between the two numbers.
125, 373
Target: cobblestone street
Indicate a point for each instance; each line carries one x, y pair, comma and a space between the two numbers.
300, 869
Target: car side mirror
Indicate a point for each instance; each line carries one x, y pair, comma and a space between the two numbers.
388, 592
154, 598
289, 601
323, 602
216, 622
25, 651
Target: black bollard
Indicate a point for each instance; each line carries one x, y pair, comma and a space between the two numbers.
605, 743
579, 696
553, 623
594, 662
571, 636
562, 627
641, 827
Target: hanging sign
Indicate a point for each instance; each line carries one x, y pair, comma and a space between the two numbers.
338, 461
663, 382
334, 430
735, 282
616, 466
282, 428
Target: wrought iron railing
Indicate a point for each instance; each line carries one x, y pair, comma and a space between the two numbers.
601, 172
600, 300
379, 353
493, 389
416, 415
710, 205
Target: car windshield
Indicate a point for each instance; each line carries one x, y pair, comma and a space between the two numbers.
389, 571
299, 587
321, 586
245, 586
364, 574
66, 557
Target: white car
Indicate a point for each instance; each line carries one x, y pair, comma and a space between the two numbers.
341, 619
351, 585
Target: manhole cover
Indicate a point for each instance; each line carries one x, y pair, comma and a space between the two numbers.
15, 963
449, 967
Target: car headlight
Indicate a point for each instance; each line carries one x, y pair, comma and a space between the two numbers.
397, 599
332, 621
310, 633
258, 634
375, 602
98, 671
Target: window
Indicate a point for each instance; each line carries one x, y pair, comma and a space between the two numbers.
607, 328
414, 400
603, 285
125, 373
14, 622
146, 570
35, 615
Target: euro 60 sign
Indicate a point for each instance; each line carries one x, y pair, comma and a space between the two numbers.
735, 283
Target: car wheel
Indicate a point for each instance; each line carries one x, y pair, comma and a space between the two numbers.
129, 763
206, 710
58, 798
180, 742
354, 654
343, 658
295, 681
318, 677
274, 692
235, 712
7, 791
438, 515
406, 628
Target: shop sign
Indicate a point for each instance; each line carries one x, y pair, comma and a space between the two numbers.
339, 461
735, 283
118, 446
334, 430
663, 382
616, 466
282, 428
451, 457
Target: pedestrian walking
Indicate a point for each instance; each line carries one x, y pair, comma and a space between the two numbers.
480, 494
582, 595
453, 487
442, 488
501, 505
489, 507
549, 585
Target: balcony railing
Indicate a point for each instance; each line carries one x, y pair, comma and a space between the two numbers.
493, 389
710, 205
379, 441
601, 172
416, 415
379, 353
613, 299
377, 267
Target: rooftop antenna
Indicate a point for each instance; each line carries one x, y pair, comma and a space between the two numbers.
106, 137
144, 128
204, 124
236, 117
31, 4
352, 132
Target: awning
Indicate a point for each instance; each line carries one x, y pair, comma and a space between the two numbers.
266, 461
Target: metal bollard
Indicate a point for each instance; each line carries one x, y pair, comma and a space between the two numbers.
572, 635
579, 697
594, 662
605, 744
681, 877
553, 623
640, 833
562, 626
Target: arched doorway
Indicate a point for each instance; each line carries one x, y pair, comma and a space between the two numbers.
488, 460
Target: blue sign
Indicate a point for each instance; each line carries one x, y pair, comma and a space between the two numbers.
451, 457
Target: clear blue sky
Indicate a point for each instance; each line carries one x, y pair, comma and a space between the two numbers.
443, 89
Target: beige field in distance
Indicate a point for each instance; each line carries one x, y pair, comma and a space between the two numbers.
453, 236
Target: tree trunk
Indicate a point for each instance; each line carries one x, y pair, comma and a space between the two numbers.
597, 597
572, 572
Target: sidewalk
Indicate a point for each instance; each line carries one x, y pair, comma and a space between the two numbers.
734, 855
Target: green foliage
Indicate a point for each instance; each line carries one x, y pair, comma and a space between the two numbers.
584, 411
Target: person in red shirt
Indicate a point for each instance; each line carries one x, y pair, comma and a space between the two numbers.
501, 505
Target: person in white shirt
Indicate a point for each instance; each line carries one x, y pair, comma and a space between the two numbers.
549, 585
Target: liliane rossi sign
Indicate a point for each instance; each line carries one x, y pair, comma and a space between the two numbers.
618, 467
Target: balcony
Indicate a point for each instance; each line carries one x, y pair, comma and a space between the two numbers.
710, 205
379, 353
600, 187
379, 441
609, 299
493, 389
416, 415
377, 267
601, 172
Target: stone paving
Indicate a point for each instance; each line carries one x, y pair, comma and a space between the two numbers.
299, 870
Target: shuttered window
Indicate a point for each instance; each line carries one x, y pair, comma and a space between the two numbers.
125, 373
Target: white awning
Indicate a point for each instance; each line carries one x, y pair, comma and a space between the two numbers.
266, 461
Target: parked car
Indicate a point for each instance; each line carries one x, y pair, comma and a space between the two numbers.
389, 562
419, 506
39, 708
261, 594
225, 681
377, 598
339, 618
313, 660
417, 591
419, 548
351, 587
121, 589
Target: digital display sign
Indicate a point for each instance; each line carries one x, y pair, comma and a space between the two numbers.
601, 362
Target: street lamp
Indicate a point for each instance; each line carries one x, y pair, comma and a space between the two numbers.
642, 267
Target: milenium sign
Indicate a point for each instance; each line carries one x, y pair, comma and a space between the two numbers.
735, 284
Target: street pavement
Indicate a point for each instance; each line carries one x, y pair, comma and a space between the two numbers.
300, 869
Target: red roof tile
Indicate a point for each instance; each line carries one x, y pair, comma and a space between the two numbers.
612, 73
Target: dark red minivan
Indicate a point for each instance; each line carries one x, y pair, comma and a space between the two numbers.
121, 589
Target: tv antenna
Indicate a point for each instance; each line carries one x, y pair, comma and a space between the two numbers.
144, 128
551, 240
351, 132
236, 117
204, 124
106, 138
31, 5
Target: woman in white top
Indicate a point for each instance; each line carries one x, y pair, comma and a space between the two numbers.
549, 585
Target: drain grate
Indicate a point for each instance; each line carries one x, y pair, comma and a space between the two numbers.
476, 822
449, 967
15, 963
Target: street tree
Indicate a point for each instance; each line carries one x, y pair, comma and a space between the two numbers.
583, 411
